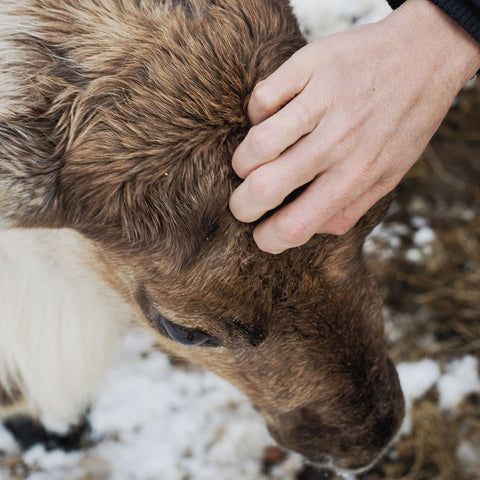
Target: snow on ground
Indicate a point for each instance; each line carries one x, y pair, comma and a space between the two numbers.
193, 424
154, 421
7, 443
386, 241
459, 379
416, 379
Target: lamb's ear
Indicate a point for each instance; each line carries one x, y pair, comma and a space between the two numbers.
28, 172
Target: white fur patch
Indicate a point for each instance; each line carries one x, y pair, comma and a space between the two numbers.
60, 322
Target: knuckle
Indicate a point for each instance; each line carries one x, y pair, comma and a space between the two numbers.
386, 185
263, 189
262, 97
339, 226
303, 115
367, 170
262, 142
293, 231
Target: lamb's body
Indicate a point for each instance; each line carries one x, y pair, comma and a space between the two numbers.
60, 323
118, 121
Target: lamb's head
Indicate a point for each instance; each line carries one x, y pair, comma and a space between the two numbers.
299, 333
145, 137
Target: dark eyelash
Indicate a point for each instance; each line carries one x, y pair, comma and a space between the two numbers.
185, 336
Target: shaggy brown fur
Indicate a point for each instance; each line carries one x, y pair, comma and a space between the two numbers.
124, 130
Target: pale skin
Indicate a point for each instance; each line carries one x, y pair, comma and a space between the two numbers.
348, 115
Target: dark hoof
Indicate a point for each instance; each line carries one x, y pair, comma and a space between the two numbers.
28, 432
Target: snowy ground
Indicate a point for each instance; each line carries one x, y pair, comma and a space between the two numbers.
155, 421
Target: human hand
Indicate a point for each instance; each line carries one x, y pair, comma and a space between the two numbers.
348, 115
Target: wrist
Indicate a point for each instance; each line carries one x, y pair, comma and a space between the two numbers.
465, 12
432, 37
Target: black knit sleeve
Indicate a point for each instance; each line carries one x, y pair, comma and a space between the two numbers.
395, 3
465, 12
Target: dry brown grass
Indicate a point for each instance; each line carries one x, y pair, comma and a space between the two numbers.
437, 302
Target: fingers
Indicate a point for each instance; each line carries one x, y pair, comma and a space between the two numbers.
333, 203
347, 217
276, 128
268, 185
279, 88
266, 188
266, 142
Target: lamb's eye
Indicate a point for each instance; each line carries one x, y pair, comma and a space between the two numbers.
185, 336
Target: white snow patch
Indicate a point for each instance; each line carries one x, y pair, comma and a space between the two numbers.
175, 423
37, 458
423, 236
347, 476
416, 379
54, 425
468, 456
65, 474
418, 221
414, 255
461, 378
7, 442
422, 239
468, 214
384, 240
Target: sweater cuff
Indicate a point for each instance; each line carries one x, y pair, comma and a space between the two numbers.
466, 13
395, 3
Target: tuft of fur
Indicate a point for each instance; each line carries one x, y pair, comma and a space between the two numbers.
60, 323
182, 71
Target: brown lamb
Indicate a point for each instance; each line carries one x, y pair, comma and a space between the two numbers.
118, 120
